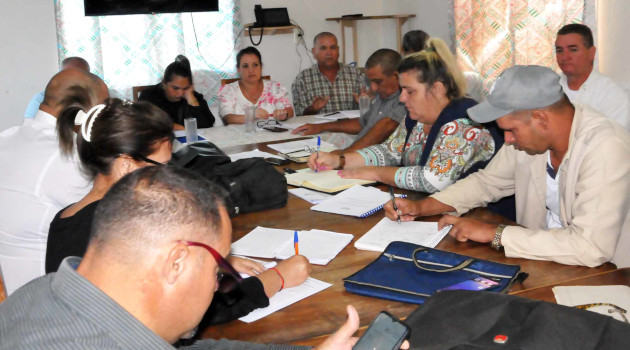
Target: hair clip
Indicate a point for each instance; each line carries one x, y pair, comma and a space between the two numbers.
86, 127
80, 118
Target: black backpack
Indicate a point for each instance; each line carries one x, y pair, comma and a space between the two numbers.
252, 183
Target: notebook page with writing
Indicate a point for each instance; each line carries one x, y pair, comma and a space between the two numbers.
325, 181
262, 242
287, 297
387, 231
318, 246
357, 201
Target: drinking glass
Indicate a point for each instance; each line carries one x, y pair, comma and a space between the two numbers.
191, 130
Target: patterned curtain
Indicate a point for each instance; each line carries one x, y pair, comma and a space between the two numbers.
134, 50
493, 35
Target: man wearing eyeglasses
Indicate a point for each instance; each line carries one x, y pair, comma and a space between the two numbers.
150, 272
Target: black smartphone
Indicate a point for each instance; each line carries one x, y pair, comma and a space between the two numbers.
275, 128
385, 332
277, 161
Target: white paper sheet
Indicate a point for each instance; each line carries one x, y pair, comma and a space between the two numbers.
313, 197
287, 297
357, 201
579, 295
293, 146
252, 154
387, 231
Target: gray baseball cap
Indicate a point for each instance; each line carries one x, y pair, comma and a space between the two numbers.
518, 88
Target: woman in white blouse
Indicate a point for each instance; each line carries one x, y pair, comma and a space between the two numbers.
268, 96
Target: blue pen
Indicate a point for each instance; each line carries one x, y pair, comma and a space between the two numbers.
296, 243
319, 143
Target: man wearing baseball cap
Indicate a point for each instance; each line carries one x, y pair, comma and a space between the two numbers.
568, 167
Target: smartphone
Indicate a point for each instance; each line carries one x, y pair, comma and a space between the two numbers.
477, 283
385, 332
275, 129
277, 161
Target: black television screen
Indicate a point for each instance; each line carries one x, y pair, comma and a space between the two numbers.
131, 7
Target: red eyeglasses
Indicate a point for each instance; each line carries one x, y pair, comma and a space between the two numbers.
229, 278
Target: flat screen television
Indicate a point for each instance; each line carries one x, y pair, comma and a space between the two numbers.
134, 7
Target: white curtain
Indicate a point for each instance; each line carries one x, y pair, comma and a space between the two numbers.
134, 50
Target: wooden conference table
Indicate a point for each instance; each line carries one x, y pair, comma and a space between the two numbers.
308, 321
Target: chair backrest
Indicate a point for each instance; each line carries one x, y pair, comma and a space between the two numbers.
230, 81
136, 90
3, 289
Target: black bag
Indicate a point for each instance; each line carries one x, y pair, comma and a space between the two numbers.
251, 183
462, 319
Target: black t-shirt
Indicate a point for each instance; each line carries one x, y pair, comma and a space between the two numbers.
180, 110
70, 236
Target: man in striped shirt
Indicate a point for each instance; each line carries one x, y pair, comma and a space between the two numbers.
386, 111
327, 86
149, 274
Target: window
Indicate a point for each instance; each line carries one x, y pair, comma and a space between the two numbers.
134, 50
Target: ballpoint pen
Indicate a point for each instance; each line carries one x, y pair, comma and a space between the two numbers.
319, 142
296, 243
332, 113
391, 193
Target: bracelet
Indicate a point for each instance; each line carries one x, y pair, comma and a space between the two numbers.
281, 279
342, 162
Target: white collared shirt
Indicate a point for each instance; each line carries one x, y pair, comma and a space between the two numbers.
36, 181
603, 95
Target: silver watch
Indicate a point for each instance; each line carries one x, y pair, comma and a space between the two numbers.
496, 242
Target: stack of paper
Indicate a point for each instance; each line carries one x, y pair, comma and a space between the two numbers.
582, 295
252, 154
324, 181
299, 151
318, 246
356, 201
387, 231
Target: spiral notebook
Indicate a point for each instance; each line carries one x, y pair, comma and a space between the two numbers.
357, 201
387, 231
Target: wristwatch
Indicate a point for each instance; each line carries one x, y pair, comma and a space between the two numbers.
342, 162
496, 242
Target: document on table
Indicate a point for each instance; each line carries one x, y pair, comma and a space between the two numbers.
310, 196
302, 148
387, 231
287, 297
357, 201
252, 154
351, 114
318, 246
580, 295
327, 181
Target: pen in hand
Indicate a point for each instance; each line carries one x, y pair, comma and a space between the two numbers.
296, 243
319, 142
391, 193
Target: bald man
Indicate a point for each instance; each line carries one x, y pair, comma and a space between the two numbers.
68, 63
38, 178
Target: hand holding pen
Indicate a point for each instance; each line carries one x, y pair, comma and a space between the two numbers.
393, 198
319, 143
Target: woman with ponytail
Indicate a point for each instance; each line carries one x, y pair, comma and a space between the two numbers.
437, 144
176, 96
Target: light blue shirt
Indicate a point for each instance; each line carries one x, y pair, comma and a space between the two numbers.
33, 105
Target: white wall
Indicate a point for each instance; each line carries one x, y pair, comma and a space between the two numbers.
613, 40
29, 55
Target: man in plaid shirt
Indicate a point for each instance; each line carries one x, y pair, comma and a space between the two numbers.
327, 86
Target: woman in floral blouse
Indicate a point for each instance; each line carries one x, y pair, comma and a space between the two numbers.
437, 144
269, 96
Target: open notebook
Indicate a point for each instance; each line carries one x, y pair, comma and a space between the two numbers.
356, 201
299, 151
387, 231
324, 181
318, 246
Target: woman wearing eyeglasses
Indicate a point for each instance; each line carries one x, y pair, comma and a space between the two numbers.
268, 96
117, 138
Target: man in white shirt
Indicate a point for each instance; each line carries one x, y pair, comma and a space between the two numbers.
583, 84
37, 179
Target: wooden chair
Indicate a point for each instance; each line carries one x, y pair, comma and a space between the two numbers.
229, 81
3, 289
136, 90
